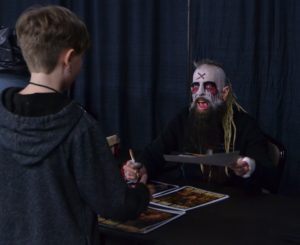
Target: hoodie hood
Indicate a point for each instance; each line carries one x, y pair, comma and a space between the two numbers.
28, 140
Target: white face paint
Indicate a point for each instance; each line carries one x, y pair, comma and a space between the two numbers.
208, 83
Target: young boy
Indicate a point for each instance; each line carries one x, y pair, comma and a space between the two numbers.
56, 169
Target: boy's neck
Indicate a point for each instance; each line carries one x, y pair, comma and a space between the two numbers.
42, 83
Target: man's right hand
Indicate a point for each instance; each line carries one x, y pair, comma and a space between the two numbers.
135, 172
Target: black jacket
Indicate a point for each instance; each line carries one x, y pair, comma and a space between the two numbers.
250, 142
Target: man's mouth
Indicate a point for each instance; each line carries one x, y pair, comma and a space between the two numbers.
202, 105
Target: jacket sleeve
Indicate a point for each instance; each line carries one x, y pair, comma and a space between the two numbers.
169, 140
98, 177
253, 144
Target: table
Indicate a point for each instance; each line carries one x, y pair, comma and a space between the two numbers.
240, 219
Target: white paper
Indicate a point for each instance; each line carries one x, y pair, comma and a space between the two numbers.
217, 159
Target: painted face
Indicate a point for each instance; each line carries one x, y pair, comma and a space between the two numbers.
206, 88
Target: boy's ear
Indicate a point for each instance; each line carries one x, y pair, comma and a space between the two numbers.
68, 56
225, 92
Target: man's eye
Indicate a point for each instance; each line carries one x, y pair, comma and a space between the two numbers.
211, 87
195, 84
195, 87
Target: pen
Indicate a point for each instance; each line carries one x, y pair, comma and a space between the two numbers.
136, 165
131, 155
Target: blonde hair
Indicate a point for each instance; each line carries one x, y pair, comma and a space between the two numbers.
44, 32
228, 122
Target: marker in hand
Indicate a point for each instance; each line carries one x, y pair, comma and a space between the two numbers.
131, 155
136, 165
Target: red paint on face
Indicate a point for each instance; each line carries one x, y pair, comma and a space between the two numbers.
195, 87
209, 87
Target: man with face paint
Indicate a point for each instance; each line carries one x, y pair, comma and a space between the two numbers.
214, 122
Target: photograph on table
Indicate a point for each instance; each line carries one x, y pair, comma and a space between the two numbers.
149, 220
187, 198
159, 187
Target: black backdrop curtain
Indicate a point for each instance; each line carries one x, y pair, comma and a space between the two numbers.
135, 76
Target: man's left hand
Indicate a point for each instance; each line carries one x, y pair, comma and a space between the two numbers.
240, 167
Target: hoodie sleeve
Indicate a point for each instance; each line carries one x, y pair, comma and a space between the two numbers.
99, 179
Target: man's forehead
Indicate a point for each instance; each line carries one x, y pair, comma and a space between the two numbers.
200, 75
209, 73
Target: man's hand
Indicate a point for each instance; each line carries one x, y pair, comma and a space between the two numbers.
135, 172
240, 167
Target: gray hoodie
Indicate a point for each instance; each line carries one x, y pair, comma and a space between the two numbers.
56, 174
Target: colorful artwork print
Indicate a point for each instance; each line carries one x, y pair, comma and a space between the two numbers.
147, 221
188, 197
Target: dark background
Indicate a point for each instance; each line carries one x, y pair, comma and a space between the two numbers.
137, 72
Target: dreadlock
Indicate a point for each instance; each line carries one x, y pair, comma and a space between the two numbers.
228, 122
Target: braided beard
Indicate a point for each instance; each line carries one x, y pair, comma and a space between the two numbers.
204, 129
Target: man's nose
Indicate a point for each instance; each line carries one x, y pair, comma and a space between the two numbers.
201, 91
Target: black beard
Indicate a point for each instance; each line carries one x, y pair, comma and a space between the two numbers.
204, 130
